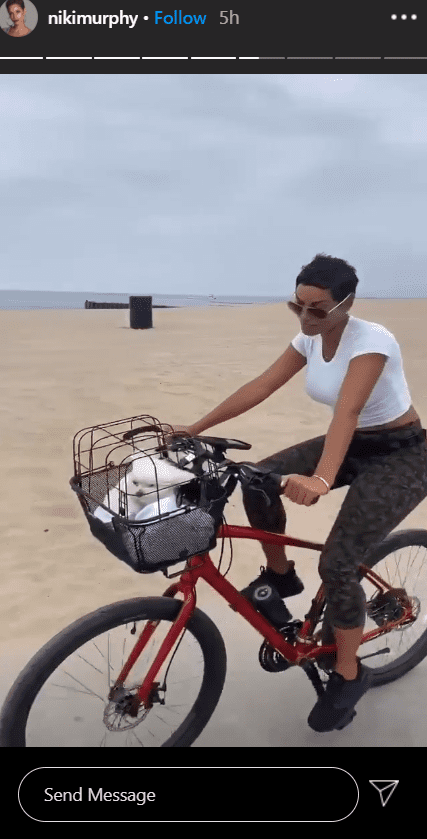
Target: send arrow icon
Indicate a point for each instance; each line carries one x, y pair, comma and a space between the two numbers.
385, 789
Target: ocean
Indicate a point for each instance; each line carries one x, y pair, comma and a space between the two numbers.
21, 299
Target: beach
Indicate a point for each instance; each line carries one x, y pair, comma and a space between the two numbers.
65, 370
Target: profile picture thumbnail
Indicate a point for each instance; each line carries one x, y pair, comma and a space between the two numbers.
18, 18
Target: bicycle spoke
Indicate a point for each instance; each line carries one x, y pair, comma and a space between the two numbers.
90, 664
139, 740
403, 568
53, 721
74, 690
87, 690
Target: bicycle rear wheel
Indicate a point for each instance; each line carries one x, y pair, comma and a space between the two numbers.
61, 697
401, 561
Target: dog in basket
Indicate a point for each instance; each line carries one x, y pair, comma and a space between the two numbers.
152, 480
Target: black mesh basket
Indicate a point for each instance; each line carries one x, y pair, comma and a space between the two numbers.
163, 539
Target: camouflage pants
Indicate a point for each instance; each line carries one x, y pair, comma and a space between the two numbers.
383, 490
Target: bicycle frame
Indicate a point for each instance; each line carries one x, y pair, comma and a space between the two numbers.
201, 566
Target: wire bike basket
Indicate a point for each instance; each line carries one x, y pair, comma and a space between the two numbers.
151, 505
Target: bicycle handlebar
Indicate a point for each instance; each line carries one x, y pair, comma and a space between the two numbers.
248, 474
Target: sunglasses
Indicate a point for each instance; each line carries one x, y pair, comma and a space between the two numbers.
321, 314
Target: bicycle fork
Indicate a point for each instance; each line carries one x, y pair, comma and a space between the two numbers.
147, 691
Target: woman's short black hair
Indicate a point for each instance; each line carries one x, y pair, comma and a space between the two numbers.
331, 273
15, 3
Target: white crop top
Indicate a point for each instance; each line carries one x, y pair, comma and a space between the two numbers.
390, 397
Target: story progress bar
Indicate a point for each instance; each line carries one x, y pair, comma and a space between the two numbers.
208, 58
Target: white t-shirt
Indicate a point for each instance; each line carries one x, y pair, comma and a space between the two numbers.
390, 397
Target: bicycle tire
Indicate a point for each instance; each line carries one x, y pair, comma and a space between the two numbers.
407, 661
17, 705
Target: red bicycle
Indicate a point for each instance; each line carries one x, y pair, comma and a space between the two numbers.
150, 671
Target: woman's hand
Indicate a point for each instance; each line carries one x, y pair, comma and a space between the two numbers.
177, 431
302, 490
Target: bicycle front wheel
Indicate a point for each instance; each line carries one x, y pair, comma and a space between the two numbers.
61, 697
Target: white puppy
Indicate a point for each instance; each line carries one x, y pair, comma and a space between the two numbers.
150, 479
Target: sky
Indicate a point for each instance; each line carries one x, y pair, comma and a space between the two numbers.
212, 184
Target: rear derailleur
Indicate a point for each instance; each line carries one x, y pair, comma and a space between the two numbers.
387, 606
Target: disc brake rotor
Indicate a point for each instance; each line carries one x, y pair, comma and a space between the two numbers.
119, 714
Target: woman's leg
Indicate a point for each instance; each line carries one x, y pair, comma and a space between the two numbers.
348, 642
300, 459
386, 489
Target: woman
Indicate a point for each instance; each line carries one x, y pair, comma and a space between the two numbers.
17, 12
375, 444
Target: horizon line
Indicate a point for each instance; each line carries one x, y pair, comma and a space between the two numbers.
187, 294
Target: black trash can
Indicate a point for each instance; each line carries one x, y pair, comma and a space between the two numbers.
141, 314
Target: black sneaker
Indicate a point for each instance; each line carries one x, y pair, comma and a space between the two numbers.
287, 585
335, 708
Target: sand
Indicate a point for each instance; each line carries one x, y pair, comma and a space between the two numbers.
62, 371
